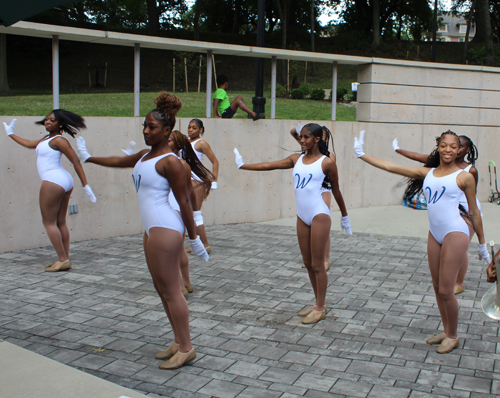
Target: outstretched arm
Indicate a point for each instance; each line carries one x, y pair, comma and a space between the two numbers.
413, 155
113, 161
287, 163
9, 130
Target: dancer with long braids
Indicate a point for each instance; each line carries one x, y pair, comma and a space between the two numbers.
156, 172
468, 150
57, 183
201, 147
180, 145
443, 183
313, 215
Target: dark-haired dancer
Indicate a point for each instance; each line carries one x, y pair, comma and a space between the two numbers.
313, 216
57, 183
155, 173
200, 148
325, 187
466, 149
442, 182
180, 145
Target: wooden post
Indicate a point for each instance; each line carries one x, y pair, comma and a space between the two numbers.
208, 102
173, 80
105, 73
186, 75
215, 73
199, 75
288, 76
305, 74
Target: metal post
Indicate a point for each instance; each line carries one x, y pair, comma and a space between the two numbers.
334, 92
55, 72
209, 84
259, 101
137, 79
273, 88
434, 29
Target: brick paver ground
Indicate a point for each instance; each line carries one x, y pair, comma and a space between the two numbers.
104, 318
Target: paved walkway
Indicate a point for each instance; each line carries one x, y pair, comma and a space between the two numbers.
104, 318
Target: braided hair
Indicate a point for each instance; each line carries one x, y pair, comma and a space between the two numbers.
167, 106
414, 185
187, 153
69, 122
472, 154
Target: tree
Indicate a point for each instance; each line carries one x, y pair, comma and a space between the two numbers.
4, 83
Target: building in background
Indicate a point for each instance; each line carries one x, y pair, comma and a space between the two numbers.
451, 28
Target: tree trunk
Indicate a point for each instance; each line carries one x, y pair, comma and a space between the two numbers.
313, 23
4, 83
196, 21
483, 29
469, 23
153, 18
376, 23
283, 15
236, 17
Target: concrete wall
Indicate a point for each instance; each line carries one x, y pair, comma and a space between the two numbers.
245, 196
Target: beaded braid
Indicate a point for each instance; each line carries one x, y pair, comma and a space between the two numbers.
472, 153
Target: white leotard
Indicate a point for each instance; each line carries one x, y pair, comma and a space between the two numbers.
442, 195
48, 163
152, 194
463, 198
173, 202
200, 155
308, 179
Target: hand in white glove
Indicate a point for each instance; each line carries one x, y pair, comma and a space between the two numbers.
9, 128
238, 159
83, 154
89, 193
395, 145
214, 185
482, 251
198, 248
345, 224
298, 129
358, 144
130, 150
198, 218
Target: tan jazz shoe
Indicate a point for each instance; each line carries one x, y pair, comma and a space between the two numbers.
179, 359
314, 317
189, 288
307, 311
448, 345
458, 289
59, 266
437, 339
303, 266
51, 264
169, 352
188, 250
185, 292
327, 265
208, 249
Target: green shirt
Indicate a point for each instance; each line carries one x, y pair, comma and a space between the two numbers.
224, 103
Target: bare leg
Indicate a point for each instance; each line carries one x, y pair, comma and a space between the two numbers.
327, 197
184, 259
61, 221
312, 246
51, 199
199, 191
444, 263
465, 264
238, 102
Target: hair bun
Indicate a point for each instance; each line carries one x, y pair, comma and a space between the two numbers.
168, 103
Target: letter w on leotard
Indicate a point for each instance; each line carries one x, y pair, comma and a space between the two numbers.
302, 184
434, 198
137, 183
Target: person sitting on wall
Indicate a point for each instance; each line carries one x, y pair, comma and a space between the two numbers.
222, 107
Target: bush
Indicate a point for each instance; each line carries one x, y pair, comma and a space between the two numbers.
306, 88
341, 92
297, 94
348, 97
281, 91
318, 94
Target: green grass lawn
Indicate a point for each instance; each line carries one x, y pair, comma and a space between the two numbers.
122, 104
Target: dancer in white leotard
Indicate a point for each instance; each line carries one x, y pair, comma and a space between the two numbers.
313, 215
180, 145
449, 235
469, 150
325, 187
201, 147
57, 183
156, 172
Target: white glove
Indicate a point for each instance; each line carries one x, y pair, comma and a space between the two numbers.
482, 251
198, 218
89, 193
298, 129
214, 185
238, 159
198, 248
130, 150
345, 224
83, 154
9, 128
395, 145
358, 144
